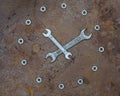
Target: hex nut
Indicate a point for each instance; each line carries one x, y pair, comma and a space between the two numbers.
94, 68
101, 49
20, 41
38, 79
84, 12
63, 5
24, 62
43, 8
61, 86
80, 81
28, 22
97, 27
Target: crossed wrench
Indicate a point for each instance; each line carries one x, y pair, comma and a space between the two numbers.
67, 54
75, 41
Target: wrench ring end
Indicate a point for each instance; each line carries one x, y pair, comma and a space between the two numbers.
48, 33
53, 58
68, 55
85, 36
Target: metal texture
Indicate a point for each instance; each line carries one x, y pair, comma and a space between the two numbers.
19, 80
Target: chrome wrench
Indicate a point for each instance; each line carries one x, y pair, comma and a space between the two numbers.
75, 41
49, 35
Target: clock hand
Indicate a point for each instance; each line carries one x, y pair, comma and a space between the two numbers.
75, 41
49, 35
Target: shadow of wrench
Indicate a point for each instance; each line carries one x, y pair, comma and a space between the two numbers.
75, 41
49, 35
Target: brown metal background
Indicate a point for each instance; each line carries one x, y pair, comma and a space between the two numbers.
18, 80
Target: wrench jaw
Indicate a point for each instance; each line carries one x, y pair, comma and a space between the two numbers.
85, 36
53, 57
68, 55
88, 37
48, 33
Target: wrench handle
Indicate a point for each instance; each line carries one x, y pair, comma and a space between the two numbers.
58, 44
69, 45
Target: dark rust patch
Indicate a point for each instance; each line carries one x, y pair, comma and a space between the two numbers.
86, 81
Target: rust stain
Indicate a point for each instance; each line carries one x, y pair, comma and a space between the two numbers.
6, 92
17, 57
9, 39
31, 90
88, 73
108, 25
35, 48
29, 28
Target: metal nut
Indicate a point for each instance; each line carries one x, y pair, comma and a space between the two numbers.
61, 86
24, 62
28, 22
63, 5
43, 8
101, 49
20, 41
94, 68
84, 12
80, 81
97, 27
38, 79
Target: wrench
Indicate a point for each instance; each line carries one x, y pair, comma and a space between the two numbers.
48, 34
75, 41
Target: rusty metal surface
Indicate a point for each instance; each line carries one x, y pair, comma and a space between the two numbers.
18, 80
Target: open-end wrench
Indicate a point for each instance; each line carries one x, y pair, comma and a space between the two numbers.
66, 53
75, 41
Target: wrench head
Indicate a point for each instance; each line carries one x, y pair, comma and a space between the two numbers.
48, 33
68, 55
85, 36
53, 57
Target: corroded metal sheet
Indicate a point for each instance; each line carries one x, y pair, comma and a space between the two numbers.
19, 80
